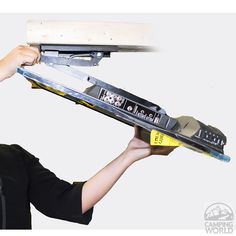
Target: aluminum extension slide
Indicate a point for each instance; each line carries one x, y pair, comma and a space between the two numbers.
65, 45
158, 128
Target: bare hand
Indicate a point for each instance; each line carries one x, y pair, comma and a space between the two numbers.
138, 149
20, 56
99, 185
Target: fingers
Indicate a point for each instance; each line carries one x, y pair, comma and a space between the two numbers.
28, 60
31, 53
138, 144
28, 55
35, 49
19, 56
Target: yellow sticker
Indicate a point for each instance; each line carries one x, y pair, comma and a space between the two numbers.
160, 139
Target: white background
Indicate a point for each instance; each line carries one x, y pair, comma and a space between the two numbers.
192, 73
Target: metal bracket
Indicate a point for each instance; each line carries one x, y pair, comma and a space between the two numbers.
80, 59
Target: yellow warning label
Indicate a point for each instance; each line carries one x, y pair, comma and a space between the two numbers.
160, 139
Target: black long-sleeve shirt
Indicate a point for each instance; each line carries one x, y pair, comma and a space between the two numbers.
23, 180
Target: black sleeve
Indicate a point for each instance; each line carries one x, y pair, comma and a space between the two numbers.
52, 196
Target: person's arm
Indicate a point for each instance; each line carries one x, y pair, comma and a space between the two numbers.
97, 186
55, 197
20, 56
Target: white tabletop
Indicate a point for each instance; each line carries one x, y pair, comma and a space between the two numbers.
127, 36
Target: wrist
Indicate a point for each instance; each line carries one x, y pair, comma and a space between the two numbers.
4, 73
127, 157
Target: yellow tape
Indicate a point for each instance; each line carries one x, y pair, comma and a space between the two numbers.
160, 139
36, 85
55, 91
86, 104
